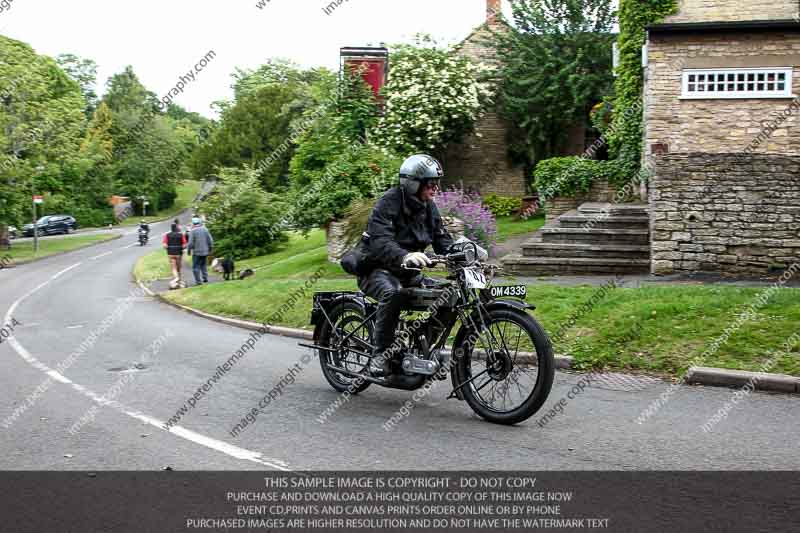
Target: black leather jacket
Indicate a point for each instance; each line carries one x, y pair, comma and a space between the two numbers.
401, 224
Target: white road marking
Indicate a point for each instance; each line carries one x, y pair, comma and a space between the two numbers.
208, 442
101, 255
131, 245
76, 265
75, 327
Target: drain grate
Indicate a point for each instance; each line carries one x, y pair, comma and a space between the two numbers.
623, 382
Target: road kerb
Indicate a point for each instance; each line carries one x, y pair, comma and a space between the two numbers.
712, 377
244, 324
721, 377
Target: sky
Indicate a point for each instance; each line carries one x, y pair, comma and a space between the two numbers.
164, 39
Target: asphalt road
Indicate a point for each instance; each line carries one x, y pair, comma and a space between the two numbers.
62, 303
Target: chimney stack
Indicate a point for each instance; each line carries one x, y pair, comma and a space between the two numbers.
493, 8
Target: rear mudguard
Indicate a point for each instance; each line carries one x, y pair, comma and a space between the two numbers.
328, 301
465, 331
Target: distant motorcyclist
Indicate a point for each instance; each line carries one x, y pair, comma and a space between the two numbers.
404, 222
145, 227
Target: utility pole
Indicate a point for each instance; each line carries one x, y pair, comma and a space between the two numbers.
39, 170
35, 229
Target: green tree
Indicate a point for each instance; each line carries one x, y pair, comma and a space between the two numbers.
41, 127
151, 149
251, 131
84, 73
555, 64
335, 162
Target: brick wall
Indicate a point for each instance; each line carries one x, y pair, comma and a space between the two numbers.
717, 125
734, 10
726, 213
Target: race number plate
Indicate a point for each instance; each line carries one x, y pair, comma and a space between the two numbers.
517, 291
475, 278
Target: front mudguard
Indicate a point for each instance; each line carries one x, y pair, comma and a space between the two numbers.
464, 332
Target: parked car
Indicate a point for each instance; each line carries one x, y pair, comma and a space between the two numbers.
52, 224
13, 232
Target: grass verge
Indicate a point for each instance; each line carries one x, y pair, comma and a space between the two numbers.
512, 226
24, 251
653, 329
187, 191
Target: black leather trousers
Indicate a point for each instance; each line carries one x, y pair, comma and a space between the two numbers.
386, 288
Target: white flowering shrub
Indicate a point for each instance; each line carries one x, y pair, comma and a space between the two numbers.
433, 97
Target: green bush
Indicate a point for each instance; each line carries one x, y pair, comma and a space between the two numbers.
502, 206
361, 171
93, 218
564, 176
244, 220
573, 175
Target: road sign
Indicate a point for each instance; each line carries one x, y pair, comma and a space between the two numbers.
38, 199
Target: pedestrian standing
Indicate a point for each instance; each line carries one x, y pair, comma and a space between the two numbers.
175, 243
200, 246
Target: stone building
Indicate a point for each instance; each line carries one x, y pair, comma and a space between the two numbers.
481, 162
723, 133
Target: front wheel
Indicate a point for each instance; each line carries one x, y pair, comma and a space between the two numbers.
506, 370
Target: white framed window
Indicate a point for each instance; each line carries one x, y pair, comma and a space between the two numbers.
774, 82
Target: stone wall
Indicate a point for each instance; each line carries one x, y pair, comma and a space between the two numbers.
337, 246
559, 205
481, 162
726, 213
718, 125
734, 10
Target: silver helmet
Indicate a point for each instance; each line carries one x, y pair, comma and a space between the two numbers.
417, 169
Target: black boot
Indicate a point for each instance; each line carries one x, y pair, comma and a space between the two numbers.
381, 363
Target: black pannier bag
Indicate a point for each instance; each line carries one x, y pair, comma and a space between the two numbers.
356, 262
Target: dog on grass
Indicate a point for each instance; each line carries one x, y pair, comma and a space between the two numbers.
228, 268
244, 274
225, 266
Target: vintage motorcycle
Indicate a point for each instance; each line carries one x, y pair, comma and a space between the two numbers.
500, 359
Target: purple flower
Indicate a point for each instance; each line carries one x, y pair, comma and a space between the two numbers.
479, 223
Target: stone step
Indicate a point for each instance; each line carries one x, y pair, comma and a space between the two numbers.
625, 251
590, 208
556, 234
519, 265
602, 221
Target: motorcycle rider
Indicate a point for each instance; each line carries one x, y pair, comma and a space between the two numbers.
145, 227
402, 224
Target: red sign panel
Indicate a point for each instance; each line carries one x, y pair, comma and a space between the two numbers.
374, 72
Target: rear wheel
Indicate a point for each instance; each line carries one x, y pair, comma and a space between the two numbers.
347, 321
507, 369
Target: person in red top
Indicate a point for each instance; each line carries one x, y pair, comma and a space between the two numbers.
175, 243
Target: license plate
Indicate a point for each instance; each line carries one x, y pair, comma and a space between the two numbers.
517, 291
